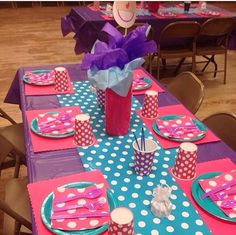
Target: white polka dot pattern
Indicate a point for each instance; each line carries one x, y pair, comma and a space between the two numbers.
136, 194
83, 133
101, 98
61, 80
150, 106
185, 164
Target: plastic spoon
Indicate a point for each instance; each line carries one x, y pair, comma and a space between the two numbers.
94, 193
89, 205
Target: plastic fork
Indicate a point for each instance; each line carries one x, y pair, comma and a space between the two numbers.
222, 195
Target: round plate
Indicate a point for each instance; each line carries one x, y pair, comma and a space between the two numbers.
168, 14
207, 204
26, 78
148, 84
199, 125
47, 207
34, 128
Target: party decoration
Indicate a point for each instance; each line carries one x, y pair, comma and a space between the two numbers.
110, 68
124, 13
160, 204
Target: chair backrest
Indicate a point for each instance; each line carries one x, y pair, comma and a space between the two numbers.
188, 89
218, 26
180, 29
224, 126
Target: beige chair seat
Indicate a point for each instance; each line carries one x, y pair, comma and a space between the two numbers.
16, 197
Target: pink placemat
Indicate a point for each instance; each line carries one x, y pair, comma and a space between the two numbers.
40, 143
217, 226
39, 190
46, 90
154, 86
175, 110
106, 17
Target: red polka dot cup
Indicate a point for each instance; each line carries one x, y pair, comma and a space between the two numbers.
83, 136
150, 105
101, 96
61, 79
143, 157
185, 163
121, 222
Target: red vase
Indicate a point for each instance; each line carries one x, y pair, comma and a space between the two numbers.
117, 112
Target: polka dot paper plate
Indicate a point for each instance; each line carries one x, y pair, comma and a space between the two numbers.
181, 138
39, 77
35, 128
141, 84
210, 13
47, 206
207, 204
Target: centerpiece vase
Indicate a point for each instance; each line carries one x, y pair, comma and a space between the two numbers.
117, 112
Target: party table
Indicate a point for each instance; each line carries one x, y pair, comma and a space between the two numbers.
112, 156
86, 23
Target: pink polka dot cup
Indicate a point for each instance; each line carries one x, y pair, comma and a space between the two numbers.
143, 159
121, 222
185, 163
101, 95
150, 105
83, 136
61, 79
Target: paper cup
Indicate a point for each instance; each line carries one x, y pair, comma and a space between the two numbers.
121, 222
83, 136
185, 163
101, 96
150, 105
143, 159
61, 79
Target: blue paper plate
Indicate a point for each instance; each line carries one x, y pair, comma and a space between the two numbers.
34, 128
198, 124
26, 78
47, 207
207, 204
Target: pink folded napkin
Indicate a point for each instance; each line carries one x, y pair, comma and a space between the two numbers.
217, 226
41, 78
209, 184
139, 73
58, 123
78, 223
38, 191
182, 127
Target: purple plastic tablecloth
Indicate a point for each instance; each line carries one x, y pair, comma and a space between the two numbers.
51, 164
86, 24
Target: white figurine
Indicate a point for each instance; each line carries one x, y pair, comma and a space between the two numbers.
160, 204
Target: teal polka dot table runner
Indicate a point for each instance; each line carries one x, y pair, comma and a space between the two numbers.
113, 155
